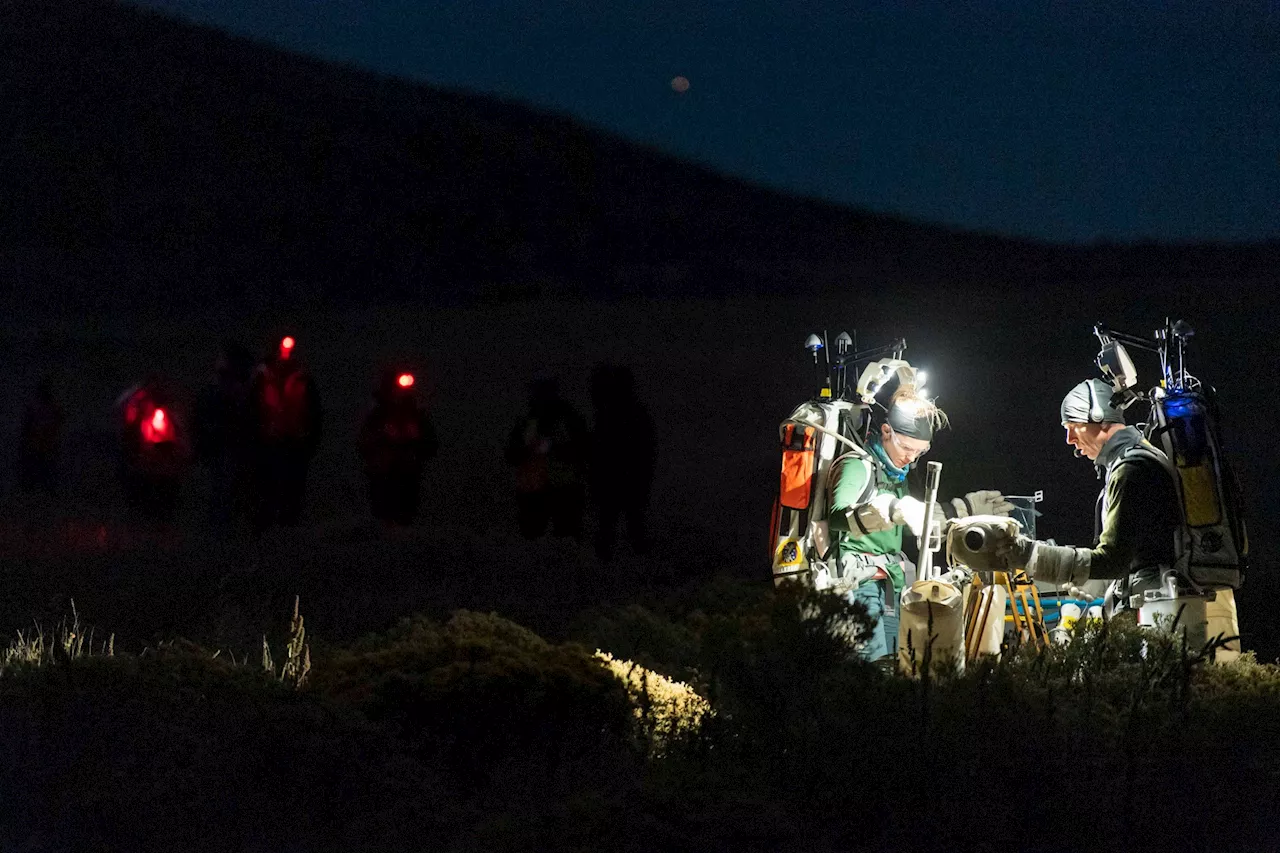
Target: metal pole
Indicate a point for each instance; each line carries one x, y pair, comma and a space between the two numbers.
933, 472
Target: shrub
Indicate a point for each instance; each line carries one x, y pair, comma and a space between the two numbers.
1120, 735
665, 710
177, 750
636, 633
484, 695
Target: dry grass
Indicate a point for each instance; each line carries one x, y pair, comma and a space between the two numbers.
297, 664
68, 640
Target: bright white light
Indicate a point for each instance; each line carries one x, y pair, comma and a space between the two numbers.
921, 377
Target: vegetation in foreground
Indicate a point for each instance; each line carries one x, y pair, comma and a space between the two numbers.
726, 717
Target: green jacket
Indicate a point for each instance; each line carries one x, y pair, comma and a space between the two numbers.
855, 479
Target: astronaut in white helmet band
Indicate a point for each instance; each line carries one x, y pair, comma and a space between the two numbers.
1137, 510
871, 508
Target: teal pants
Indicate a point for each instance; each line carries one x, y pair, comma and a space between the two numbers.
884, 636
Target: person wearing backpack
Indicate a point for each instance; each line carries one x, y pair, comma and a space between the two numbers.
396, 440
153, 448
286, 419
1137, 512
548, 448
870, 507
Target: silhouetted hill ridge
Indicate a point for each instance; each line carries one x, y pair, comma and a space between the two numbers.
146, 158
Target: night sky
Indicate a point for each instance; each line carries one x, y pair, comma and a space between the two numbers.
1071, 121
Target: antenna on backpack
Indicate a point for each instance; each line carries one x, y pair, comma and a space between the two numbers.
1182, 331
814, 345
843, 345
825, 393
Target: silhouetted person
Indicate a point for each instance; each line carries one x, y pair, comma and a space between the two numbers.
623, 451
223, 434
286, 418
153, 448
40, 441
396, 440
548, 448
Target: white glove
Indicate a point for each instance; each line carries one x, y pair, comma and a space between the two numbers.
909, 511
983, 502
873, 516
885, 511
1059, 564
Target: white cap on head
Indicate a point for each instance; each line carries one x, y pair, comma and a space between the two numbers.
1090, 403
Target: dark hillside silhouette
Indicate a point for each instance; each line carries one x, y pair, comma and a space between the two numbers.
146, 158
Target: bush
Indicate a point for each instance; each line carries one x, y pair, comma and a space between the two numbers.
1121, 738
755, 651
634, 632
665, 711
484, 695
177, 750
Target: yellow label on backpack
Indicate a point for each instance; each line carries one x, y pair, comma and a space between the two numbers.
1200, 495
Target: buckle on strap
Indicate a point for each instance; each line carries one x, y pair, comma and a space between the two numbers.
881, 560
847, 562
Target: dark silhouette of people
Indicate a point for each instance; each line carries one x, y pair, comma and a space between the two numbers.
286, 418
223, 435
40, 441
548, 449
396, 440
623, 451
153, 448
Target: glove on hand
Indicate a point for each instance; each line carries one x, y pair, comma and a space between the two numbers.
885, 511
984, 502
1018, 552
910, 511
1056, 564
1059, 564
873, 516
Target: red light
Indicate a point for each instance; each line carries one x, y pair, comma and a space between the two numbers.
405, 380
157, 428
286, 347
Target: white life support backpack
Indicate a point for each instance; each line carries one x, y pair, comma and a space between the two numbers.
813, 437
1211, 546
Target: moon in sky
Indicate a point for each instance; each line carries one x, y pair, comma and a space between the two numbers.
680, 84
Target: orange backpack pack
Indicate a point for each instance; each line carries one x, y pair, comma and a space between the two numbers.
818, 433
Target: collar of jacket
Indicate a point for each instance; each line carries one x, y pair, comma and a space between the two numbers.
1116, 447
893, 472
